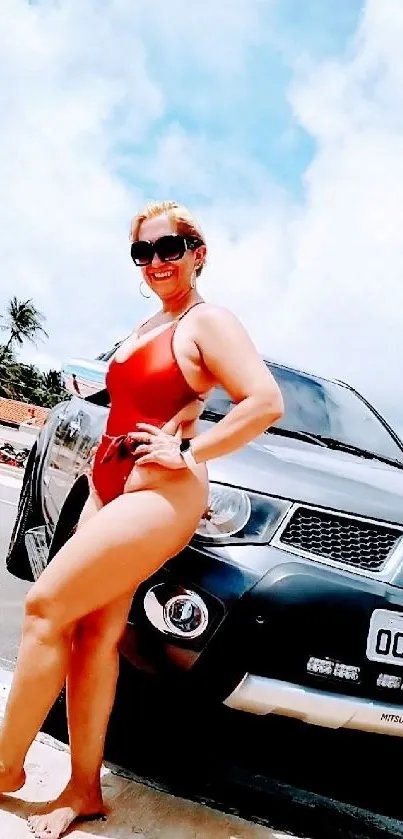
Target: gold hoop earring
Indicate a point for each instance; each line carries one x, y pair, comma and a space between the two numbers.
142, 292
193, 280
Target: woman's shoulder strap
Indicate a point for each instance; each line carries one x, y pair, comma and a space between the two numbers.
188, 310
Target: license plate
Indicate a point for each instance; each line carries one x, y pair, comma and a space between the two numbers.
385, 637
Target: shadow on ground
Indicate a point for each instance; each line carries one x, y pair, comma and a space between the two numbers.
292, 777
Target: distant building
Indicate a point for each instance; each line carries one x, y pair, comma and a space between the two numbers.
13, 413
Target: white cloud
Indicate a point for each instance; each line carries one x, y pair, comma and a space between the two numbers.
344, 306
66, 215
77, 92
318, 282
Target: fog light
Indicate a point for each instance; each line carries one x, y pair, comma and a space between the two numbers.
323, 666
186, 614
384, 680
346, 671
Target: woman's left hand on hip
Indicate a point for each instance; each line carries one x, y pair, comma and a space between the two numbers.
156, 446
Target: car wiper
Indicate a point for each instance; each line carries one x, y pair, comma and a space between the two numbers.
214, 416
299, 435
316, 440
340, 445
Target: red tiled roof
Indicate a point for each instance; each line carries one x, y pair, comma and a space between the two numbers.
11, 410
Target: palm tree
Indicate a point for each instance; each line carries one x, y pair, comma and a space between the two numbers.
24, 322
51, 389
18, 381
52, 381
9, 376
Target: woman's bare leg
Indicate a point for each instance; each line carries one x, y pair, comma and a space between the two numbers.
87, 686
93, 672
91, 687
150, 526
42, 662
57, 658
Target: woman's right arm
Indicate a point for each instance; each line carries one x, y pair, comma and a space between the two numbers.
229, 354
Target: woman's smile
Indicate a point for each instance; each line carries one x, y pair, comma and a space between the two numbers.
162, 275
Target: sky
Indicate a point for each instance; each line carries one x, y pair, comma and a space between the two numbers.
279, 124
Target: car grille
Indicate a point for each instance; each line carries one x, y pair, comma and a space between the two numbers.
342, 539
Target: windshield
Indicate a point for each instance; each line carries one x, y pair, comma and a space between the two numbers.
317, 406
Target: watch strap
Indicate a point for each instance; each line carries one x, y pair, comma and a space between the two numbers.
186, 452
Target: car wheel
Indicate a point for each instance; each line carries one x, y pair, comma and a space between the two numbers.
28, 515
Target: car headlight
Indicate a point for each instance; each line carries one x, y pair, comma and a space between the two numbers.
235, 516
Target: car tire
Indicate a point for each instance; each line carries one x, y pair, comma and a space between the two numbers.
29, 514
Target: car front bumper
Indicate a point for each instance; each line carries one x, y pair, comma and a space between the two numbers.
261, 695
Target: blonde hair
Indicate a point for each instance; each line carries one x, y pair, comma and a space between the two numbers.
183, 221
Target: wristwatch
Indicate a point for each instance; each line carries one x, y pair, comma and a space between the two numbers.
186, 452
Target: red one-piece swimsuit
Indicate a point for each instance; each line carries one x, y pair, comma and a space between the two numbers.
148, 386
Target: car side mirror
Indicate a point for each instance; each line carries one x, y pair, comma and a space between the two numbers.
82, 377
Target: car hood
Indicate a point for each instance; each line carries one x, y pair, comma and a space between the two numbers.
315, 475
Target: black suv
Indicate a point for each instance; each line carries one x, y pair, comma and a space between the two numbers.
289, 597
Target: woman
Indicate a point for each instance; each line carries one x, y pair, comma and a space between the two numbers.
149, 491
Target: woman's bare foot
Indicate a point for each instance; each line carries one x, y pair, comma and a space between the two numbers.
70, 805
11, 780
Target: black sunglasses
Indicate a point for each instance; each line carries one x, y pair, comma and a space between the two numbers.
169, 248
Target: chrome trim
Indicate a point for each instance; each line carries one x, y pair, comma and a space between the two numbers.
204, 615
37, 550
391, 565
258, 695
158, 617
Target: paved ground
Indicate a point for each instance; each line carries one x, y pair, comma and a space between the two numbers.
136, 810
308, 782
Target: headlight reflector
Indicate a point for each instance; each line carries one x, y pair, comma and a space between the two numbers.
235, 516
227, 513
